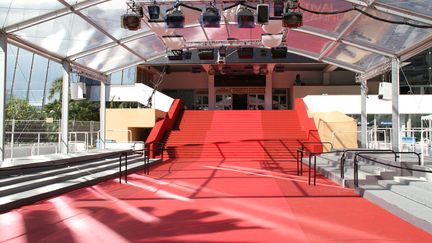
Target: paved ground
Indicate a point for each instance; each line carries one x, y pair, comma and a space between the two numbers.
209, 201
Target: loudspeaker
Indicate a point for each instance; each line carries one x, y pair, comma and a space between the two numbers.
385, 91
263, 13
78, 91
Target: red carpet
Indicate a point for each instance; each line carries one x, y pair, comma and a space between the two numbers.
209, 201
246, 134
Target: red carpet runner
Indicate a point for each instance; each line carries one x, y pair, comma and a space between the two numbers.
237, 134
209, 201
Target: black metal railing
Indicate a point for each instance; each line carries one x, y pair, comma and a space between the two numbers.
361, 155
343, 157
301, 152
155, 148
121, 155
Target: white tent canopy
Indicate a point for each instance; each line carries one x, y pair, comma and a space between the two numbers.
87, 33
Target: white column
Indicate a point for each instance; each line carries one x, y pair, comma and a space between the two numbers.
102, 114
211, 92
363, 130
64, 145
269, 91
395, 105
3, 60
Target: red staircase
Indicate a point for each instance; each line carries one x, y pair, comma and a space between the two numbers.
244, 134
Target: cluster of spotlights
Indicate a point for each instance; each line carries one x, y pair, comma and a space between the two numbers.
246, 16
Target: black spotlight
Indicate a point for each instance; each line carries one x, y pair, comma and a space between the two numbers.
279, 52
175, 55
245, 53
245, 18
131, 21
211, 17
153, 11
292, 19
175, 19
278, 8
262, 13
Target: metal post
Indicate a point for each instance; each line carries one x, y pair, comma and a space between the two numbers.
102, 114
268, 98
395, 105
12, 139
211, 92
38, 144
65, 109
3, 65
363, 133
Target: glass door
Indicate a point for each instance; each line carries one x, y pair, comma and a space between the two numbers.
223, 102
201, 102
256, 102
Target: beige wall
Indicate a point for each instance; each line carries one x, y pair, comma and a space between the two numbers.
337, 128
120, 121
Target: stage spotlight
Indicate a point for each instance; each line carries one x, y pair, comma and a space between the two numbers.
175, 19
262, 14
211, 17
279, 52
278, 8
245, 53
131, 21
292, 19
153, 11
175, 55
245, 18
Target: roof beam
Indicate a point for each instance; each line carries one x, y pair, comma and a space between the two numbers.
400, 12
330, 68
108, 72
51, 15
420, 47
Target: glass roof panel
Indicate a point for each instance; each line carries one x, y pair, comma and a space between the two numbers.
15, 11
107, 15
147, 46
419, 6
108, 59
245, 33
355, 56
314, 44
191, 34
385, 35
66, 35
330, 23
217, 33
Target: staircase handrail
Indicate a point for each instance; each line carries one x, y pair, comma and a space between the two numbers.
361, 155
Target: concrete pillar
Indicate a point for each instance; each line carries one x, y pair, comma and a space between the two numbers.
363, 130
64, 126
3, 65
102, 115
395, 105
409, 125
211, 92
268, 99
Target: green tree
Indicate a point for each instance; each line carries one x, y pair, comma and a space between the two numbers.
80, 110
20, 109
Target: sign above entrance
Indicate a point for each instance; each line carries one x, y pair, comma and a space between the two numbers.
240, 90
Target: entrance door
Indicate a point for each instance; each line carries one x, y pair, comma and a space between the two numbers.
240, 101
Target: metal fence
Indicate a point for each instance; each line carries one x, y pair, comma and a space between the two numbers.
40, 137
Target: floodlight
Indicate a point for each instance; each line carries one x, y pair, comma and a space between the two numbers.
279, 52
292, 19
278, 8
153, 11
245, 18
245, 53
175, 55
262, 14
131, 21
211, 17
175, 19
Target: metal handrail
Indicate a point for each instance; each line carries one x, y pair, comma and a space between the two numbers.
343, 157
161, 147
121, 154
317, 142
382, 163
